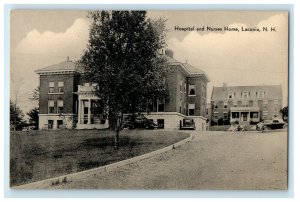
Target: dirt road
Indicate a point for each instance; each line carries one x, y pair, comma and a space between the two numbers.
213, 160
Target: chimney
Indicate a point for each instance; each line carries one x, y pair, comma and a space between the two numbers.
169, 53
224, 85
68, 58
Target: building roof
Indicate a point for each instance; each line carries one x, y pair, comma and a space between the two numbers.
270, 92
191, 70
66, 65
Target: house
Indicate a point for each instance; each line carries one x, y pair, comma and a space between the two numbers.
67, 101
245, 104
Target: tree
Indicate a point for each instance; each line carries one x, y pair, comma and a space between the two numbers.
123, 58
34, 113
35, 95
285, 113
16, 116
34, 117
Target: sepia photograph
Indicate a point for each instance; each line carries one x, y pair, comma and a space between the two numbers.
149, 99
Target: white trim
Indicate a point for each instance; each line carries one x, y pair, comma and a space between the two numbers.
56, 93
46, 72
57, 114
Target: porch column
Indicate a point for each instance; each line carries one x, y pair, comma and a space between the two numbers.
248, 116
240, 118
79, 111
89, 112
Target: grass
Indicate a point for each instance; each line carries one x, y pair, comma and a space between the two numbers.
219, 128
225, 127
38, 155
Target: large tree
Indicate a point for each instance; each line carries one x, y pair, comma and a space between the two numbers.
123, 58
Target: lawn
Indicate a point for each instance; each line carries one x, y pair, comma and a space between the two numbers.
38, 155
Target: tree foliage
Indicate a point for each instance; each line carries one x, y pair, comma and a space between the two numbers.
123, 58
285, 113
16, 116
34, 117
35, 94
34, 113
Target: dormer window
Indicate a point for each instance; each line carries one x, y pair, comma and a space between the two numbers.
230, 95
245, 95
260, 94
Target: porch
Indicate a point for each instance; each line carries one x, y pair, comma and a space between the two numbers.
244, 115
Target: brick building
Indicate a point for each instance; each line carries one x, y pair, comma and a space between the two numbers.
245, 104
66, 101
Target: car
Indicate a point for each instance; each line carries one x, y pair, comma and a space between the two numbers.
187, 124
139, 121
270, 125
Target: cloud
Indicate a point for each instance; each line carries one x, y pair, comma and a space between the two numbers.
38, 50
239, 58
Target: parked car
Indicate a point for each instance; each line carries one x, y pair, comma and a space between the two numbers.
270, 125
187, 124
140, 121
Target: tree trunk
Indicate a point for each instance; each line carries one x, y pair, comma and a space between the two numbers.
118, 126
116, 146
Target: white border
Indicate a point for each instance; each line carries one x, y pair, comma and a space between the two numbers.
295, 71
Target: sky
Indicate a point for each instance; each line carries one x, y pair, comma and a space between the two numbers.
43, 38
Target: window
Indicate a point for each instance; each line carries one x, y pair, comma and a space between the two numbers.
184, 88
265, 114
260, 94
276, 108
180, 87
192, 90
245, 95
235, 103
230, 95
235, 115
151, 105
191, 109
60, 106
265, 102
60, 86
51, 87
254, 115
50, 124
60, 124
255, 104
245, 103
203, 93
160, 123
51, 106
225, 104
180, 106
216, 115
225, 115
161, 105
